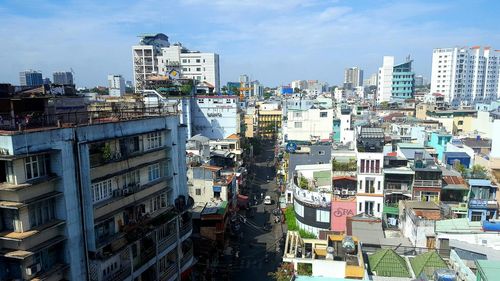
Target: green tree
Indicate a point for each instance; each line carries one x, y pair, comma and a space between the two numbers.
304, 269
267, 95
479, 172
283, 273
224, 90
186, 89
461, 169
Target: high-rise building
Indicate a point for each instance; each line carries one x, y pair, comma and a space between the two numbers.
419, 80
88, 201
353, 77
299, 84
466, 76
63, 78
395, 81
116, 85
156, 56
371, 81
30, 78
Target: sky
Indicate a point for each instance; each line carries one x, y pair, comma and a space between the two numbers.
273, 41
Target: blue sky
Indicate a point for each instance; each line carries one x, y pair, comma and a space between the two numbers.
272, 41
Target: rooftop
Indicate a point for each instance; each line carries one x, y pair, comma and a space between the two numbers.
462, 225
386, 262
488, 269
427, 263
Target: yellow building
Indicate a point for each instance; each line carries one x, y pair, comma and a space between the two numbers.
269, 123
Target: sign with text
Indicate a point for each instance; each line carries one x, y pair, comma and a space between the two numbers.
339, 213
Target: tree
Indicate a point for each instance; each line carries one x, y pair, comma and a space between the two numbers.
186, 89
283, 273
224, 90
479, 172
461, 169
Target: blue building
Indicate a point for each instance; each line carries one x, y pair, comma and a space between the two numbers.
403, 81
231, 86
450, 158
30, 78
438, 141
482, 200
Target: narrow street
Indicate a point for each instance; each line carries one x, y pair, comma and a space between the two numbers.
258, 245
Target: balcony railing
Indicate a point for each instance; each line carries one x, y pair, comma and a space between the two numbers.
169, 272
121, 274
427, 183
185, 229
187, 256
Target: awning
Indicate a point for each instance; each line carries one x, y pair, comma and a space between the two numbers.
455, 187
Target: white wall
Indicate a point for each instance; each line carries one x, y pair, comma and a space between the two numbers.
306, 125
384, 84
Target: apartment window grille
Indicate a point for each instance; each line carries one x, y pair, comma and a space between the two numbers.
42, 212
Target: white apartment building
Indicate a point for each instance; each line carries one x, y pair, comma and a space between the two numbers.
353, 77
309, 125
116, 85
370, 158
384, 81
155, 55
465, 76
299, 84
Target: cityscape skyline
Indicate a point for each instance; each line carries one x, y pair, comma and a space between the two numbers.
98, 37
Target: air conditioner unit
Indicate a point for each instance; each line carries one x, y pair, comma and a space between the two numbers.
33, 269
344, 191
336, 192
352, 192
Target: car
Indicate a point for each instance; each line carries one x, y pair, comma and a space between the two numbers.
267, 200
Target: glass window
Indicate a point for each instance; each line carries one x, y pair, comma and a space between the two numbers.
198, 191
36, 166
323, 114
154, 172
102, 190
42, 212
476, 216
153, 140
298, 125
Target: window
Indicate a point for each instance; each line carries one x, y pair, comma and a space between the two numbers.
323, 114
36, 166
362, 165
322, 216
198, 69
155, 204
154, 172
360, 206
184, 60
297, 125
228, 100
42, 212
201, 100
153, 140
101, 190
299, 209
105, 229
131, 178
378, 185
198, 60
476, 216
198, 191
297, 114
460, 122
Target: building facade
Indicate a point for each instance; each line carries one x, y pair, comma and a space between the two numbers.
313, 124
466, 76
395, 81
64, 78
353, 77
98, 202
370, 161
30, 78
116, 85
156, 56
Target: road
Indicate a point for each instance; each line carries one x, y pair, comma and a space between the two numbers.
257, 243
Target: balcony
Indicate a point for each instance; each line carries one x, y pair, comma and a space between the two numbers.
186, 258
121, 274
169, 272
427, 183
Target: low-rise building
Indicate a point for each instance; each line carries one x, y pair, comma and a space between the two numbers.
337, 256
417, 220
